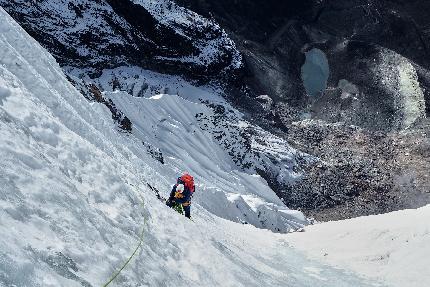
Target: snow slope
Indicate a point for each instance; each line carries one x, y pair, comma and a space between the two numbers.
74, 198
187, 134
170, 123
392, 248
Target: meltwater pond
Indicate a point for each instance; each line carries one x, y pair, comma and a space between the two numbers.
315, 72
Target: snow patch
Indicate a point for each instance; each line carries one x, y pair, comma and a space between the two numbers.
348, 89
392, 248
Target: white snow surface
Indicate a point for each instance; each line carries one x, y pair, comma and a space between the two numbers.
183, 129
392, 248
72, 186
143, 83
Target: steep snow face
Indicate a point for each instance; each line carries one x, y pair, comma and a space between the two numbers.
391, 247
250, 147
188, 135
159, 35
74, 198
170, 123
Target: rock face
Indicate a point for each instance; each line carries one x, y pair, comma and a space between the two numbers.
360, 172
366, 132
157, 35
271, 35
377, 89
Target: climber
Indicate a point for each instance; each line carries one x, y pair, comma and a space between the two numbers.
182, 193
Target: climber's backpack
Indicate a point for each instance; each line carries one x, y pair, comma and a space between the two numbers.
188, 181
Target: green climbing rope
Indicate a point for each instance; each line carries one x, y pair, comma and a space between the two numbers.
134, 252
178, 208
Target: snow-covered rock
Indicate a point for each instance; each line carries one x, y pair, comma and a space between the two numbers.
159, 35
212, 42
